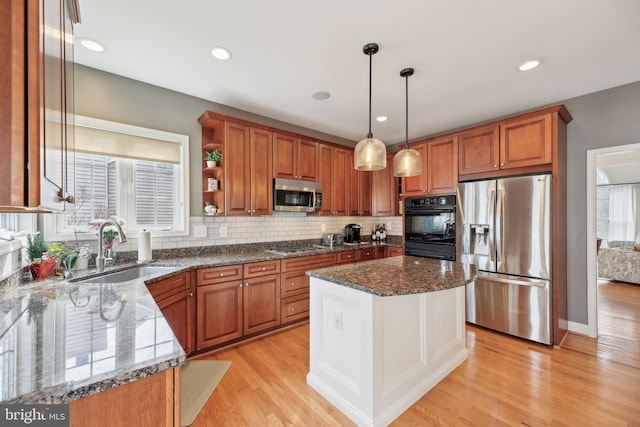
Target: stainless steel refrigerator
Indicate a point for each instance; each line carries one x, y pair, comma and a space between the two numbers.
504, 228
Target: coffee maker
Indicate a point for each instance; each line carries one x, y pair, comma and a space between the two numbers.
352, 233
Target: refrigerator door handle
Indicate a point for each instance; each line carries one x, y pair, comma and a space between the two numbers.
515, 282
492, 225
497, 226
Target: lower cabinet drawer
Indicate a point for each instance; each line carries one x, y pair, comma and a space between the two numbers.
294, 283
294, 308
166, 288
347, 257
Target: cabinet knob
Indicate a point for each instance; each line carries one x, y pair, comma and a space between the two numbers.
501, 164
190, 294
293, 309
495, 166
293, 283
264, 268
246, 285
240, 285
221, 274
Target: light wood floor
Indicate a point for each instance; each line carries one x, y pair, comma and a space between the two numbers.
505, 382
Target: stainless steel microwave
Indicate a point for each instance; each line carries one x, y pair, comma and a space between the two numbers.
296, 196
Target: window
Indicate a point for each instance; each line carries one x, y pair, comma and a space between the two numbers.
134, 173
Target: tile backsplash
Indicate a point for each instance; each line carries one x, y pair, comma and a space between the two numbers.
281, 226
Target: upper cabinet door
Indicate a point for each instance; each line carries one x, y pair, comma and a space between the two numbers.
417, 185
295, 158
56, 101
284, 156
442, 166
384, 190
479, 151
526, 142
237, 151
261, 167
307, 160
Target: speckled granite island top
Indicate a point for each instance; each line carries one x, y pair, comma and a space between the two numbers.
400, 275
62, 342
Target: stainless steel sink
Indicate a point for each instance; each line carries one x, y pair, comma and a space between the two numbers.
142, 272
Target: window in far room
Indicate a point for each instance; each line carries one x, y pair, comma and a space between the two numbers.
138, 174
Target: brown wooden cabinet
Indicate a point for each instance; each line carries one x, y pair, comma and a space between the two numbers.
176, 299
248, 175
261, 298
439, 168
359, 190
390, 251
218, 313
244, 175
295, 157
36, 74
384, 193
237, 300
150, 401
479, 150
294, 285
332, 176
523, 143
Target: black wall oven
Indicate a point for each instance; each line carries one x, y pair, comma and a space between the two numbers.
430, 227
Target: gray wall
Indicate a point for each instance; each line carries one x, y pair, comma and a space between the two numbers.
601, 119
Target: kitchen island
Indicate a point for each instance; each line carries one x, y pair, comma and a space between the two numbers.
384, 332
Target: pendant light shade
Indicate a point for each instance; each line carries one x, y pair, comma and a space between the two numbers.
407, 162
370, 154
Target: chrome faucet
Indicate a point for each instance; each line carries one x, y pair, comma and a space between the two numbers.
100, 260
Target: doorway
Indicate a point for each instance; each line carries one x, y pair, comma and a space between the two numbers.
611, 156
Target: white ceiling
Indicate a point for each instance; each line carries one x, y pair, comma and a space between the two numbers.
464, 52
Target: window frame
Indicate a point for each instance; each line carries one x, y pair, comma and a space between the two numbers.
55, 228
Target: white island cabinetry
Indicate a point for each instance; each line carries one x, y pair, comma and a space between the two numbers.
373, 356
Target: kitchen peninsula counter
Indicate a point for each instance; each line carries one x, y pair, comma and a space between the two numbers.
68, 341
384, 332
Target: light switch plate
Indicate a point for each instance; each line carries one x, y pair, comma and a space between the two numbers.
200, 231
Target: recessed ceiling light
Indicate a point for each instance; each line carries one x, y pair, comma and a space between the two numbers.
221, 53
529, 64
91, 45
381, 118
320, 95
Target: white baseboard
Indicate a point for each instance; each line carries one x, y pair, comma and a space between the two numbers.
579, 328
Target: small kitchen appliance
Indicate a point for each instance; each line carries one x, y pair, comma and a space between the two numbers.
352, 233
331, 240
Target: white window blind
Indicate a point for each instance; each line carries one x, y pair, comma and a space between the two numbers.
134, 173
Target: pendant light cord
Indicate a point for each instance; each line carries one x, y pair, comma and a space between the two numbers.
369, 135
406, 124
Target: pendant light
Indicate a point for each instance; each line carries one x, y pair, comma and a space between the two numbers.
407, 162
370, 154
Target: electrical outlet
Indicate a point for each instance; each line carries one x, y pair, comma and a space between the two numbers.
337, 318
223, 230
200, 231
323, 227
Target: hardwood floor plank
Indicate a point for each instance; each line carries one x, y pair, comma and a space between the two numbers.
505, 382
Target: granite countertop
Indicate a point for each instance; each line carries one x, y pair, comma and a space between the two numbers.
65, 341
61, 340
400, 275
